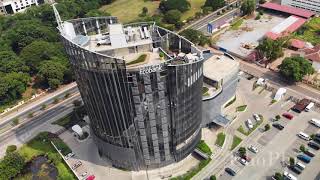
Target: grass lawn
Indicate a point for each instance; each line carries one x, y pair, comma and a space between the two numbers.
310, 31
140, 59
236, 25
202, 146
235, 142
220, 139
120, 9
41, 145
193, 171
129, 10
241, 129
241, 108
63, 121
231, 102
205, 91
195, 7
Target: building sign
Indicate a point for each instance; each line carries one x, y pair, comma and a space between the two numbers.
151, 69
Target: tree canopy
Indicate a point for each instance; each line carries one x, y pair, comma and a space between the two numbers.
271, 49
195, 36
51, 73
172, 16
214, 4
10, 62
11, 165
295, 68
248, 7
181, 5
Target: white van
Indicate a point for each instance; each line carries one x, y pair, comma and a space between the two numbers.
304, 136
315, 122
289, 176
300, 165
249, 124
310, 105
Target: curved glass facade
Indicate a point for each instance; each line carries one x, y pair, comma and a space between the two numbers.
145, 115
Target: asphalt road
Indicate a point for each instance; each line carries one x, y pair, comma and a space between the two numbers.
26, 131
36, 105
202, 23
274, 78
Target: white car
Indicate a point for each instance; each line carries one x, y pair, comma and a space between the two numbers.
243, 161
84, 174
253, 149
289, 176
249, 124
256, 117
69, 155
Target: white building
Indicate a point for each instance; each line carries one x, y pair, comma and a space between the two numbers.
312, 5
13, 6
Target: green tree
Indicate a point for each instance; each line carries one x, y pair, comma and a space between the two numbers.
195, 36
271, 49
267, 127
302, 148
51, 73
295, 68
181, 5
11, 165
278, 117
39, 51
278, 176
15, 121
172, 16
242, 151
291, 161
10, 62
11, 148
214, 4
213, 177
248, 7
12, 85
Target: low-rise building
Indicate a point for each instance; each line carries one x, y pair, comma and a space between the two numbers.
14, 6
312, 5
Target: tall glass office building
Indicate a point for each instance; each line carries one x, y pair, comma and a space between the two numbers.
142, 87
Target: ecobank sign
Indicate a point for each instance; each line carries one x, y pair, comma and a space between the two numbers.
151, 69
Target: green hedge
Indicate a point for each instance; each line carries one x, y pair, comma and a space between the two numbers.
140, 59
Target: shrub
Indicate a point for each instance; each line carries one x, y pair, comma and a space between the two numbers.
213, 177
55, 101
302, 148
291, 161
266, 127
140, 59
77, 103
11, 165
242, 151
15, 121
11, 148
30, 115
43, 107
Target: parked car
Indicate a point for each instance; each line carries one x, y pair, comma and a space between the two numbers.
278, 126
69, 155
289, 176
295, 169
309, 153
308, 108
300, 166
84, 174
314, 145
287, 115
253, 149
304, 136
301, 105
316, 139
91, 177
315, 122
230, 171
246, 157
249, 124
256, 117
243, 161
304, 158
76, 165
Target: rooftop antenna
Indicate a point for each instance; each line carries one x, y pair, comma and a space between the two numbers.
58, 18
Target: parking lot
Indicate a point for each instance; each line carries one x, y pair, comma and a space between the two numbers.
275, 146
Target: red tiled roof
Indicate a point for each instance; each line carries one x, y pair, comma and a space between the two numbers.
288, 9
292, 28
312, 54
297, 43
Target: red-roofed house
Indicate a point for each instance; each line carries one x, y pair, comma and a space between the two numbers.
297, 44
313, 55
288, 10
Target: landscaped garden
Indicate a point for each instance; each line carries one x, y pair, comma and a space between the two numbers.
310, 32
235, 142
220, 139
202, 146
193, 171
241, 108
37, 159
